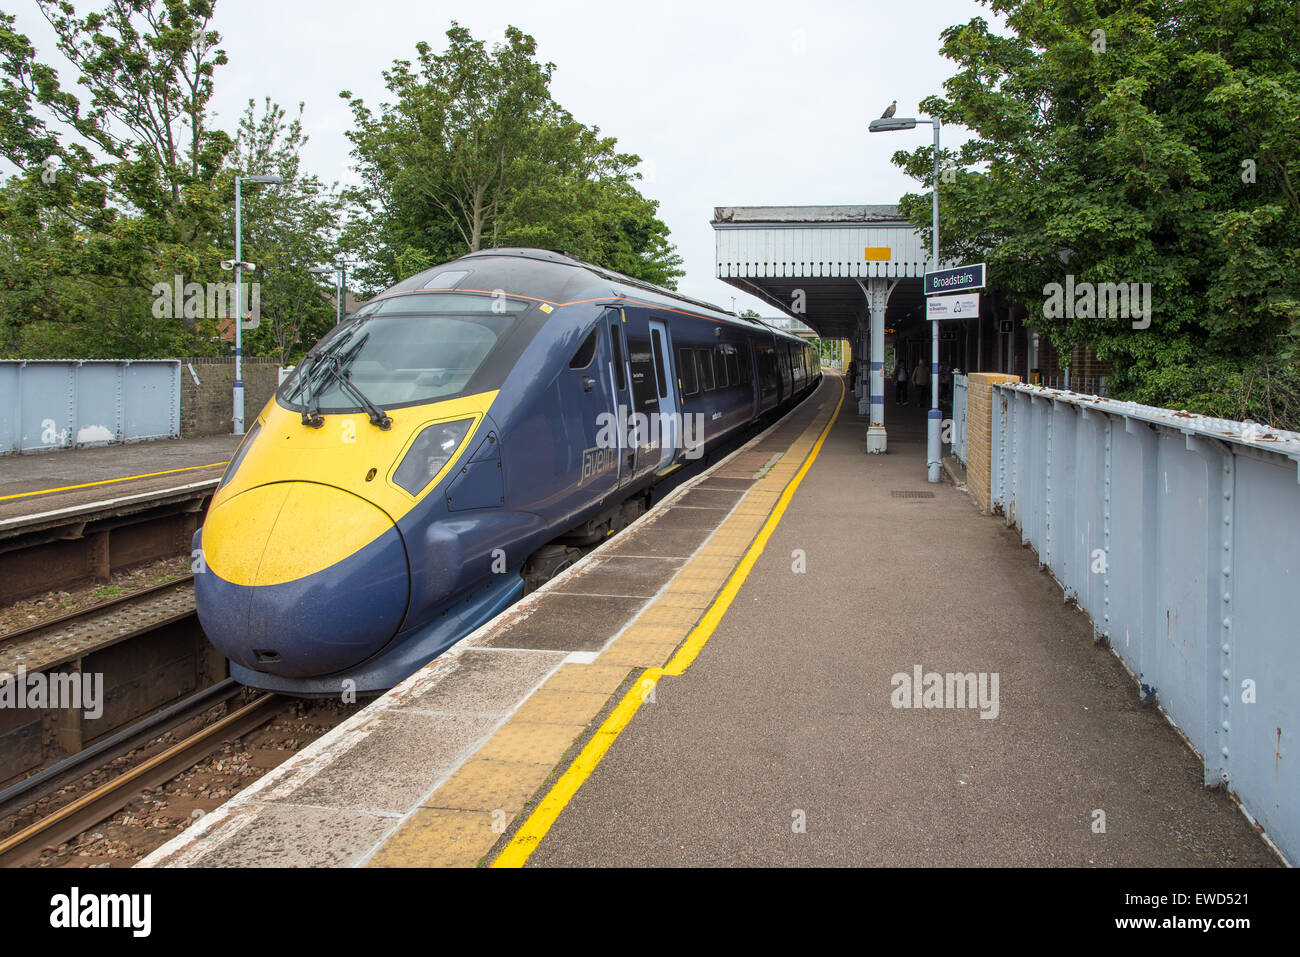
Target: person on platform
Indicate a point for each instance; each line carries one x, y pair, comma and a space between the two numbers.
900, 382
921, 380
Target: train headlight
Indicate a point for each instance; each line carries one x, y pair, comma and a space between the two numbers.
431, 450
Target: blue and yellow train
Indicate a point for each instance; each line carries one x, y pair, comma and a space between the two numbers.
453, 442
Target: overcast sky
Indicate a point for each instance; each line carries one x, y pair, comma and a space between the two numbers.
728, 102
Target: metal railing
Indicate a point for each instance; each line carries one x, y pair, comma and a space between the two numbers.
1180, 536
959, 418
1087, 385
70, 403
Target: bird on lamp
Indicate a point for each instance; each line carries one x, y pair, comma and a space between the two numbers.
889, 110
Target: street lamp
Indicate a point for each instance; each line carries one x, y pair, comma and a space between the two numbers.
240, 266
340, 271
933, 441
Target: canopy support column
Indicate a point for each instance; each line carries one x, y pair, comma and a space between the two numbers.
877, 291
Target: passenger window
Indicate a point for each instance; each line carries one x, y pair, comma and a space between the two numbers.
706, 369
746, 370
586, 352
661, 372
616, 340
643, 375
686, 373
733, 367
720, 364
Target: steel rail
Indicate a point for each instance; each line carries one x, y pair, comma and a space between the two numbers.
89, 809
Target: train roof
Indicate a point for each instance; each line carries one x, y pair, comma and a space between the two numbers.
558, 278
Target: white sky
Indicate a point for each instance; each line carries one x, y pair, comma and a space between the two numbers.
728, 102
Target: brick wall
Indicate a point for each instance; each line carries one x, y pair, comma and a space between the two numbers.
979, 436
1085, 367
206, 406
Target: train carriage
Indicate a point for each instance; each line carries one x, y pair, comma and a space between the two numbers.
450, 444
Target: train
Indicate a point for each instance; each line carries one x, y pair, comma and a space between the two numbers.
455, 442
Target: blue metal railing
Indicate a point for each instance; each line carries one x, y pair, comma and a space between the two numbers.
959, 418
1180, 536
71, 403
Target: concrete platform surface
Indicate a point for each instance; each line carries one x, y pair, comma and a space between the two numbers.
782, 745
76, 478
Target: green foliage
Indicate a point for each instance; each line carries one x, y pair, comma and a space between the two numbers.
124, 185
121, 190
473, 152
1127, 156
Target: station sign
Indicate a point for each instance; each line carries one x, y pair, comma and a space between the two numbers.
964, 305
956, 279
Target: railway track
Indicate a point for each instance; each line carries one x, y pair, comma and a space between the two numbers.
89, 809
117, 619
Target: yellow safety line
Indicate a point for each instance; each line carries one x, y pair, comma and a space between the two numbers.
530, 834
125, 478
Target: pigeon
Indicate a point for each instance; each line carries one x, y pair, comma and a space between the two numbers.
889, 110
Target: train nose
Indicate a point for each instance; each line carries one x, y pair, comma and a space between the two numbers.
300, 579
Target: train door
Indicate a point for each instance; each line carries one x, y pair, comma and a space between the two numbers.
620, 387
643, 432
669, 424
585, 401
767, 376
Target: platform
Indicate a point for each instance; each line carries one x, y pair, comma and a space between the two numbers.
713, 687
64, 481
80, 514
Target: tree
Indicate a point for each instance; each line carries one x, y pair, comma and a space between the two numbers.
122, 190
1146, 141
475, 153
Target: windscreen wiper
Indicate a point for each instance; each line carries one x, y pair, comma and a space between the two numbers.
311, 407
377, 415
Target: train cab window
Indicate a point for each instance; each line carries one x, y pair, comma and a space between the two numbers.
720, 366
686, 374
661, 363
586, 352
706, 369
616, 341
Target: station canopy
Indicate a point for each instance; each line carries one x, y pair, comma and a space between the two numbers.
814, 257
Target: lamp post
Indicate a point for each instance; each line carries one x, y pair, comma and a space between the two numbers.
338, 288
933, 435
239, 266
340, 271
